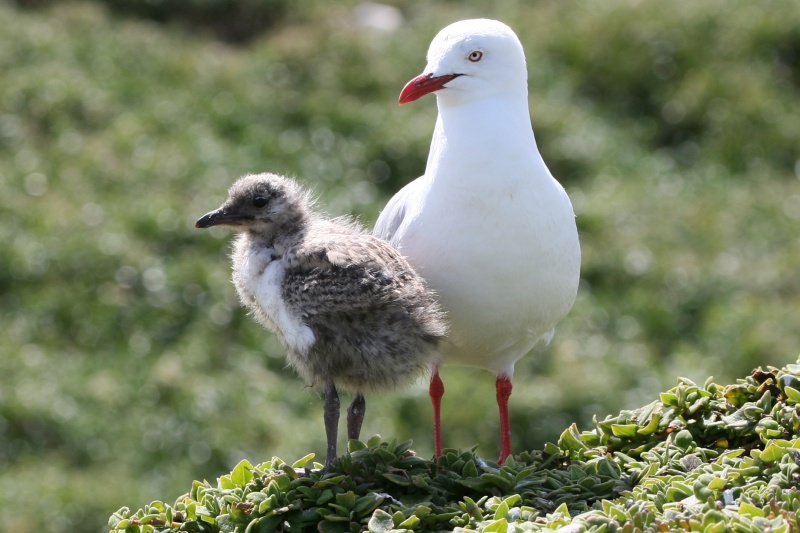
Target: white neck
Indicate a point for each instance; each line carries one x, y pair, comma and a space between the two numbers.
482, 134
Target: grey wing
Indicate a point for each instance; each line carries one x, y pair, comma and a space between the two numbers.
392, 216
344, 274
374, 322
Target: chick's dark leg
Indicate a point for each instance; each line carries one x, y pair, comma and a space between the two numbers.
331, 416
355, 416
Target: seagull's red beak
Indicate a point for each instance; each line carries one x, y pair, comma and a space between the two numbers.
422, 85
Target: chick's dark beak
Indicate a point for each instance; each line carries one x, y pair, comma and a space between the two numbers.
218, 217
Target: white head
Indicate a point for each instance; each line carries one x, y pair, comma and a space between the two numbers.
469, 60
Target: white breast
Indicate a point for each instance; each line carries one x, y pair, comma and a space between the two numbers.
259, 281
493, 234
505, 278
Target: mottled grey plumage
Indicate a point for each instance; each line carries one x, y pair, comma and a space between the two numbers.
349, 308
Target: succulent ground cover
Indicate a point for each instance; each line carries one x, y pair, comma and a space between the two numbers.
700, 458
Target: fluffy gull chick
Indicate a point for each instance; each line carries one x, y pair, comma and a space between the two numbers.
351, 312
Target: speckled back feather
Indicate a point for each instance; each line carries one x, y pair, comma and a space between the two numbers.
376, 322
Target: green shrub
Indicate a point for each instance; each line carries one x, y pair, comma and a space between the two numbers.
707, 458
233, 21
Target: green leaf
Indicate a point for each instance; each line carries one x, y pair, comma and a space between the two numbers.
678, 491
498, 526
330, 526
366, 504
403, 447
300, 463
328, 481
553, 449
652, 425
510, 463
341, 510
570, 439
475, 483
562, 509
469, 470
158, 506
398, 480
381, 522
792, 394
718, 484
385, 455
497, 480
420, 481
146, 519
513, 500
772, 453
324, 497
242, 474
267, 524
409, 523
624, 430
191, 510
422, 511
346, 499
669, 398
354, 445
411, 461
750, 510
345, 517
268, 504
501, 511
471, 508
683, 439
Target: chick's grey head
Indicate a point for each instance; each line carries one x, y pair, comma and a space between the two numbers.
262, 204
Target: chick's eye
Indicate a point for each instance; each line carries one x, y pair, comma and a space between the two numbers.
475, 56
259, 202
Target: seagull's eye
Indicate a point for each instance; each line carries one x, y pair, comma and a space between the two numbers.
475, 56
259, 202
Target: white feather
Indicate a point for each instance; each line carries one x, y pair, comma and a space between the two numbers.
259, 280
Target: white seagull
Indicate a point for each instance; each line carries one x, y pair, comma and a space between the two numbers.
487, 225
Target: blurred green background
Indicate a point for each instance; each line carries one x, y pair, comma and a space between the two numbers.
127, 368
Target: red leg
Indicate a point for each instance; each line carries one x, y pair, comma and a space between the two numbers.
503, 386
436, 391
